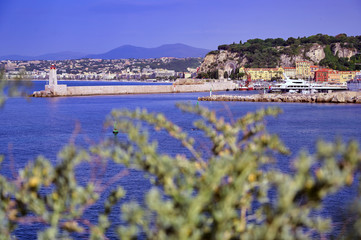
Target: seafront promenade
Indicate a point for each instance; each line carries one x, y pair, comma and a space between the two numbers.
336, 97
64, 90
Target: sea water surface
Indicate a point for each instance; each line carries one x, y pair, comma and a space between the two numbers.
42, 126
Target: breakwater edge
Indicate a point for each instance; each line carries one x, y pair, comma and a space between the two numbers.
180, 86
335, 97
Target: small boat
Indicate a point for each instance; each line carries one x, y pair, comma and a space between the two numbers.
245, 88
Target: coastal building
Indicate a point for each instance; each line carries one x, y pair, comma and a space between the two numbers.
267, 74
164, 73
330, 75
187, 75
136, 70
303, 69
147, 70
109, 76
357, 76
313, 69
193, 72
321, 75
347, 75
89, 69
290, 71
334, 76
10, 66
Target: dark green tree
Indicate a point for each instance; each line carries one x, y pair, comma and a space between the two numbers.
225, 75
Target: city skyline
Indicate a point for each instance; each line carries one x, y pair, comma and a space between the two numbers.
93, 26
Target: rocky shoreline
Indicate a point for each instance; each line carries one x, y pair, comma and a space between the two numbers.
335, 97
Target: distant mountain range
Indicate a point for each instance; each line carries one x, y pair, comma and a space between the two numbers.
127, 51
50, 56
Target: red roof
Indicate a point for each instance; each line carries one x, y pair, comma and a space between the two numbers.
323, 70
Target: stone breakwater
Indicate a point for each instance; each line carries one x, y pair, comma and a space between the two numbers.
63, 90
336, 97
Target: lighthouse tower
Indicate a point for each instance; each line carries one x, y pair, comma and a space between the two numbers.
52, 76
53, 88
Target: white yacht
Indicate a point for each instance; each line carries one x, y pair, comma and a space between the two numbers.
303, 86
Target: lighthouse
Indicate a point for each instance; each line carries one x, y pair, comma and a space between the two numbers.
52, 76
53, 89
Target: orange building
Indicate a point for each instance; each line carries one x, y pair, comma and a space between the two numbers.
334, 76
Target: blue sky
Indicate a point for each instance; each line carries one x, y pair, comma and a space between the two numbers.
34, 27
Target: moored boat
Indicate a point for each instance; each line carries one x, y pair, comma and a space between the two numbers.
303, 86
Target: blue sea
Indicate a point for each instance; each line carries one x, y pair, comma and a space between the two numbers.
42, 126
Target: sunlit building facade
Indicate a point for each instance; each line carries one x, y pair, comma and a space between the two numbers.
267, 74
303, 69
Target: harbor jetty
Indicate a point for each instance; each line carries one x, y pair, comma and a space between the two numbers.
334, 97
53, 89
180, 86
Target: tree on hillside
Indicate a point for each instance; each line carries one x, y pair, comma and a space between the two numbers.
266, 53
202, 75
213, 74
290, 41
240, 75
278, 42
225, 75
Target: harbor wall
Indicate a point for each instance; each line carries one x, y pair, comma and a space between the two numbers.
109, 90
335, 97
60, 90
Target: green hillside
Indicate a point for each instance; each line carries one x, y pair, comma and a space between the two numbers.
266, 53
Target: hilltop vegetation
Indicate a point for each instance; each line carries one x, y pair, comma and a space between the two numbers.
268, 52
